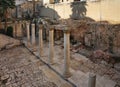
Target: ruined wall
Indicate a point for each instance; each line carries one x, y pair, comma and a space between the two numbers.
2, 24
17, 28
99, 36
105, 37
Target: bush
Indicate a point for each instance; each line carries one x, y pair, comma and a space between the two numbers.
2, 31
10, 31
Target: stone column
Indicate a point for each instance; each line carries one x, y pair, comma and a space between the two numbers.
33, 34
51, 46
19, 29
28, 33
15, 28
21, 32
40, 41
14, 34
66, 72
92, 80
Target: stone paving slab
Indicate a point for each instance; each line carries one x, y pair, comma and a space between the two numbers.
20, 68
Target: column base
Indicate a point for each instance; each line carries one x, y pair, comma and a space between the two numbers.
41, 55
33, 48
33, 44
51, 63
67, 74
40, 50
28, 44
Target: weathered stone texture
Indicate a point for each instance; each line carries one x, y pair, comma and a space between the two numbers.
8, 42
19, 68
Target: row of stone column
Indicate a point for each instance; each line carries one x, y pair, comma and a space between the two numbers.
66, 71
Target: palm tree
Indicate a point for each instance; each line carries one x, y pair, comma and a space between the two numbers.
4, 6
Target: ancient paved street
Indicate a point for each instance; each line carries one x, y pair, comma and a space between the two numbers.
19, 68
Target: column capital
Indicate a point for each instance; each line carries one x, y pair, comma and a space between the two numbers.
41, 26
66, 31
27, 22
52, 27
33, 25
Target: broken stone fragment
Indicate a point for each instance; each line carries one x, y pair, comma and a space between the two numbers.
76, 46
4, 77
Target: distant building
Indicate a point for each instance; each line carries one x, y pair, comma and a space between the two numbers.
18, 2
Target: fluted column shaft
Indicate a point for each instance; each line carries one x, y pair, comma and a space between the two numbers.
51, 46
33, 34
40, 41
66, 72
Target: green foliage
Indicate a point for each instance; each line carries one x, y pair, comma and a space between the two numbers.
2, 31
1, 11
10, 31
5, 4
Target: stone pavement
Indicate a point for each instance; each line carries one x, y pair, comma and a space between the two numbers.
80, 68
17, 69
20, 68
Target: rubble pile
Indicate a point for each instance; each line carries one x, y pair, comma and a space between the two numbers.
98, 41
99, 55
8, 42
95, 35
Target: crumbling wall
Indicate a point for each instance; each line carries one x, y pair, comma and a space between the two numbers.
99, 36
96, 35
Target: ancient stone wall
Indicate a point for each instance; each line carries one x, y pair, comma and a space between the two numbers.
99, 36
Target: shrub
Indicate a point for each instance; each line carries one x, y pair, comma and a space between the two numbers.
2, 31
10, 31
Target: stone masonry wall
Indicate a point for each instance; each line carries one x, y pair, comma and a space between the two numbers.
99, 36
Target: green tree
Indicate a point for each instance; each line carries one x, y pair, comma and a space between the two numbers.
5, 5
1, 15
